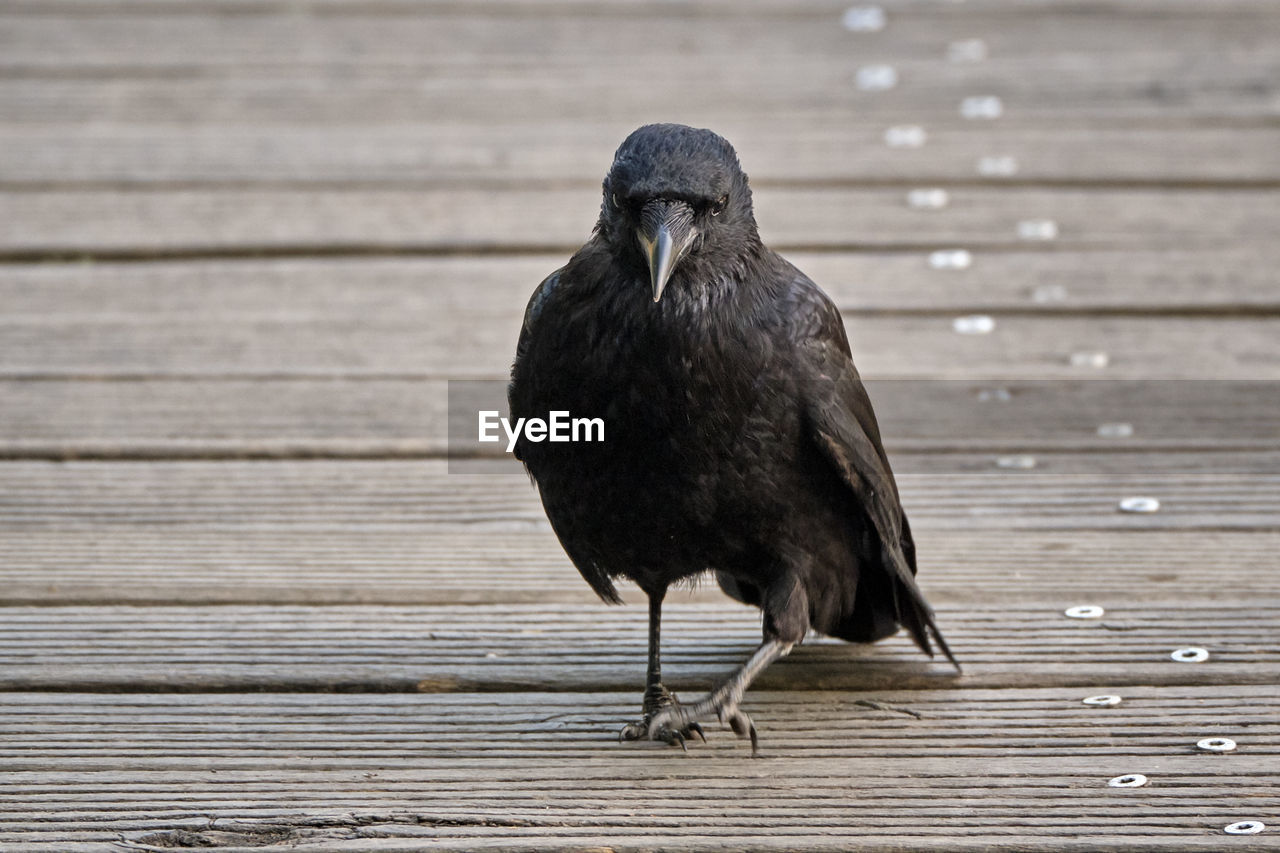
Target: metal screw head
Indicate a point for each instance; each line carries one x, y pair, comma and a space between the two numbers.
982, 106
998, 167
1191, 654
967, 50
876, 78
974, 324
905, 136
1140, 505
1245, 827
864, 19
928, 199
1090, 359
1084, 611
1016, 462
1049, 293
995, 395
950, 259
1037, 229
1105, 701
1116, 430
1129, 780
1216, 744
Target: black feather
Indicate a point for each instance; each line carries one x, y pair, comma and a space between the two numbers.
738, 436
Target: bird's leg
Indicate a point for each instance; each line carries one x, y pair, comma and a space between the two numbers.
656, 697
722, 702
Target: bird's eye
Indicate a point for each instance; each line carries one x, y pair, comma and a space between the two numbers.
617, 203
719, 205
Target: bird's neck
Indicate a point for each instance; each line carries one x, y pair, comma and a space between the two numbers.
721, 282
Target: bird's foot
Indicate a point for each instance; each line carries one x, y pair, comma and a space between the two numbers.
656, 702
722, 704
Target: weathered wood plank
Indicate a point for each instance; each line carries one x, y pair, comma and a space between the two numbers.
52, 733
373, 417
535, 53
1005, 550
1224, 490
1066, 491
633, 797
134, 34
800, 9
433, 220
332, 834
592, 647
1236, 279
408, 346
368, 563
530, 154
1105, 91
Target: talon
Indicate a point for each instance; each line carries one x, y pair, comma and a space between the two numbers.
667, 721
743, 727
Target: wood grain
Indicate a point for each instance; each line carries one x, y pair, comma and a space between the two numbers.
237, 235
1028, 348
827, 150
129, 34
1229, 279
1066, 491
555, 779
449, 649
154, 223
528, 65
77, 563
374, 417
289, 731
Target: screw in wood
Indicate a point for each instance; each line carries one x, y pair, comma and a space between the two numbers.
1216, 744
1129, 780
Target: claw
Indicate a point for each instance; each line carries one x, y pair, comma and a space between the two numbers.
667, 720
671, 736
664, 720
743, 727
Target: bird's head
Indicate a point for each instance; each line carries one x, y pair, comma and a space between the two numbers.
676, 196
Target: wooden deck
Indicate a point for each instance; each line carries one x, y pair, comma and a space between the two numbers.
244, 244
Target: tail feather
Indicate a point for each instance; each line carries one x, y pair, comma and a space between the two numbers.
916, 616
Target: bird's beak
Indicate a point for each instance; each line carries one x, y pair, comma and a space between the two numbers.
666, 231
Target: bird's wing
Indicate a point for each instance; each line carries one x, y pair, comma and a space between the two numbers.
594, 574
531, 312
843, 425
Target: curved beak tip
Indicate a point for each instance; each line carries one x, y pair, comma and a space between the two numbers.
663, 249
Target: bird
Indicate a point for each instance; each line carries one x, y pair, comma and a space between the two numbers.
739, 439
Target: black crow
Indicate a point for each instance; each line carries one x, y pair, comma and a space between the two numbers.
738, 436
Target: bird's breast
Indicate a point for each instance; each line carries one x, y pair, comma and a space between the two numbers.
684, 418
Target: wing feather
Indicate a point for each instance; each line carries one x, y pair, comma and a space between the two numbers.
843, 426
